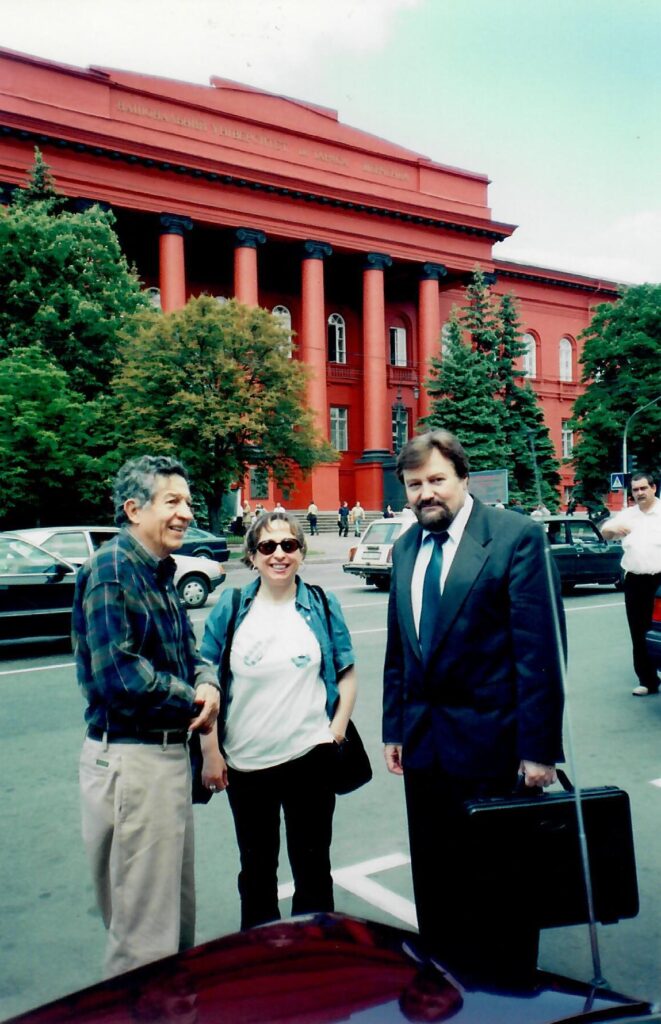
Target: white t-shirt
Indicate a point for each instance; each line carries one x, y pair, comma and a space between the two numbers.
642, 547
277, 705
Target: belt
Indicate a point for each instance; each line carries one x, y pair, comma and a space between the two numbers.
161, 736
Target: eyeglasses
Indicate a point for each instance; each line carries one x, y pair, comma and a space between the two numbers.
289, 546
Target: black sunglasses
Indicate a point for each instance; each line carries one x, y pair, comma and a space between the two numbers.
289, 546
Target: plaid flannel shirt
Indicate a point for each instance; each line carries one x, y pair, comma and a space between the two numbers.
134, 645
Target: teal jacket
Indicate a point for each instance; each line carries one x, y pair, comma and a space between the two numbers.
332, 634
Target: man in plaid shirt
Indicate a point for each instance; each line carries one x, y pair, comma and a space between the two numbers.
145, 688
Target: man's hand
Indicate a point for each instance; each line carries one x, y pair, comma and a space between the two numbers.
208, 697
537, 774
610, 530
393, 755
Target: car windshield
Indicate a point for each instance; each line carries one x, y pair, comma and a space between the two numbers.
382, 533
17, 556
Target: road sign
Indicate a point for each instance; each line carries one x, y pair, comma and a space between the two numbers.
619, 481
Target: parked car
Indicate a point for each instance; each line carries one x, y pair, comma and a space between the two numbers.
324, 969
580, 552
194, 579
203, 544
372, 556
653, 635
36, 592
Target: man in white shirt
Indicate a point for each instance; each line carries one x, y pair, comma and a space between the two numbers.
639, 528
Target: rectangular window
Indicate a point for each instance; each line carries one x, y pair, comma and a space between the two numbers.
567, 440
259, 482
397, 346
339, 430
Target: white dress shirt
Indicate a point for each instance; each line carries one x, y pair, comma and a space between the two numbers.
455, 533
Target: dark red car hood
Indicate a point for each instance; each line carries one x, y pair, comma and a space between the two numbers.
320, 970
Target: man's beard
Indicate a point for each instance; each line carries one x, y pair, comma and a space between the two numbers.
434, 515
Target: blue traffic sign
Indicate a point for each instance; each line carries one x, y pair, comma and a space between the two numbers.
617, 481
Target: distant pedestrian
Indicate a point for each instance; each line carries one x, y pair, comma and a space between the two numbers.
247, 515
388, 514
639, 529
357, 517
540, 511
312, 515
343, 513
278, 507
259, 509
516, 506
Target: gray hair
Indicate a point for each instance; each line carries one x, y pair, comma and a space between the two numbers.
137, 479
263, 522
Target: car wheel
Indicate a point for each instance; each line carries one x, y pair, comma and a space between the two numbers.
382, 582
193, 590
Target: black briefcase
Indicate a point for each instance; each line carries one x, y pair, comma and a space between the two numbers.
530, 846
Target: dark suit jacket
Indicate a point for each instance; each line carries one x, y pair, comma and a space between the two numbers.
491, 691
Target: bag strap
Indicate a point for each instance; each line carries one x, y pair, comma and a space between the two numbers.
224, 667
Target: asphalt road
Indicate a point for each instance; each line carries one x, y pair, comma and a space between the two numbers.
51, 937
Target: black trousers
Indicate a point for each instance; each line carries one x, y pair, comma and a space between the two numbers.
303, 789
479, 934
639, 594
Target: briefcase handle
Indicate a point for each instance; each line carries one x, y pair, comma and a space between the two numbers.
536, 791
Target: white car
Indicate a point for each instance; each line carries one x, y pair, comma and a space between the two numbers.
372, 556
194, 579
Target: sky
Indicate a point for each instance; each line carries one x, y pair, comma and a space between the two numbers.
557, 101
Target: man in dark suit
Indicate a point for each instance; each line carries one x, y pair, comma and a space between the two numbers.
472, 699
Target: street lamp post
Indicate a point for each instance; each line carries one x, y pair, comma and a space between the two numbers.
624, 444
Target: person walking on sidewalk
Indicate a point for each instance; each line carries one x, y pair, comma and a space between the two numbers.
343, 514
640, 531
313, 512
357, 516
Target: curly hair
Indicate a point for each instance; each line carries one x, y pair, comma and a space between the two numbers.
263, 522
137, 479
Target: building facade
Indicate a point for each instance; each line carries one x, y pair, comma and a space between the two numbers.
361, 247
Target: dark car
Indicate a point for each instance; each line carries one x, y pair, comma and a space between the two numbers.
653, 636
580, 552
36, 592
323, 969
203, 544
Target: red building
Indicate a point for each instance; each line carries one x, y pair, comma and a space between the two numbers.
362, 246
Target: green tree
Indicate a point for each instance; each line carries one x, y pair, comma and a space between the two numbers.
214, 384
64, 282
621, 359
477, 393
463, 401
533, 465
49, 466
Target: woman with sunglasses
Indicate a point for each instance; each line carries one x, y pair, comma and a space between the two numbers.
290, 691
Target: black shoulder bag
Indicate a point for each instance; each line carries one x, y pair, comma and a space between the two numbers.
352, 765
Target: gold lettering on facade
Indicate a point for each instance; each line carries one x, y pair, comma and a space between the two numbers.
386, 172
201, 125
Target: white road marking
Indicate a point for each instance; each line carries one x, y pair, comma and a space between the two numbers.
35, 668
655, 782
594, 607
355, 879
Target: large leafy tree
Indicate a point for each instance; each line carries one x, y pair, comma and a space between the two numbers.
621, 359
477, 392
50, 463
64, 282
215, 384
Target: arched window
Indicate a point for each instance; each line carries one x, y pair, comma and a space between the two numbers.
529, 365
337, 339
155, 297
282, 314
445, 338
566, 354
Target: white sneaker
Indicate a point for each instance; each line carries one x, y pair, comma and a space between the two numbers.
643, 691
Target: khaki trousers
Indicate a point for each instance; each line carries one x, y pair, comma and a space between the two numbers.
137, 822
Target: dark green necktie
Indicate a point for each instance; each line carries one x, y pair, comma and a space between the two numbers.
431, 594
